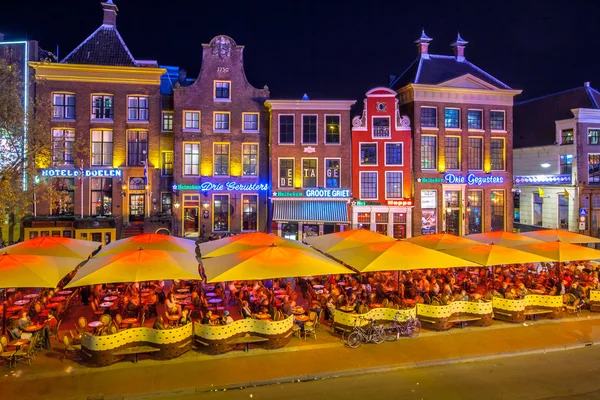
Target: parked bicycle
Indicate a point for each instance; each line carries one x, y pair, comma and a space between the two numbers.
410, 327
365, 334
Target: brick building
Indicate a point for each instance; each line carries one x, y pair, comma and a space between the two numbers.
311, 173
462, 141
221, 163
381, 167
105, 127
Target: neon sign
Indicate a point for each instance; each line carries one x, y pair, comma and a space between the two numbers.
562, 179
313, 193
473, 180
117, 173
402, 202
233, 186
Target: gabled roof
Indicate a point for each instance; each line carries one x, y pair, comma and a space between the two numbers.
103, 47
434, 69
534, 119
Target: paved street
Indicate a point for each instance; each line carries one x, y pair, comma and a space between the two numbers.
564, 375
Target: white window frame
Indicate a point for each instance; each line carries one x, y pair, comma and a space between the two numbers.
588, 168
139, 96
215, 113
302, 129
360, 194
293, 172
325, 130
325, 172
373, 127
162, 162
503, 130
279, 129
437, 120
436, 155
223, 99
482, 129
63, 118
192, 112
376, 154
482, 153
386, 184
459, 119
64, 141
459, 153
244, 130
228, 159
112, 133
257, 158
385, 154
162, 121
183, 159
503, 153
257, 212
302, 172
106, 120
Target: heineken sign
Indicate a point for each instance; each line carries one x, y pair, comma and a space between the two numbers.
231, 186
75, 173
315, 193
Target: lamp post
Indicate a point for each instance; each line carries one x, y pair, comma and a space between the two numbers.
176, 205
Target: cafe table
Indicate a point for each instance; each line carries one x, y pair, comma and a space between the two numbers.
21, 302
301, 318
211, 294
375, 305
106, 304
58, 299
129, 321
214, 317
280, 291
410, 303
18, 343
30, 296
341, 283
52, 305
65, 292
263, 316
33, 328
215, 301
180, 296
184, 290
346, 309
96, 325
298, 311
14, 309
173, 319
317, 287
210, 288
110, 298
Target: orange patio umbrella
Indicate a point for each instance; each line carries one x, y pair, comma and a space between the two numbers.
492, 254
502, 238
246, 241
442, 241
54, 246
346, 240
149, 241
562, 252
552, 235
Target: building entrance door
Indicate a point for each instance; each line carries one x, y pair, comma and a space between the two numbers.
453, 202
137, 207
190, 222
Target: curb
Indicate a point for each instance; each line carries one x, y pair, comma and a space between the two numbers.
346, 373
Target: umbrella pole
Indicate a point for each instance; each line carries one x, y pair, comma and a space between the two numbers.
4, 313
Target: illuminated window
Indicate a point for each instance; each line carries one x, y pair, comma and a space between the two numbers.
286, 172
474, 211
381, 127
594, 136
250, 212
593, 168
63, 196
452, 118
102, 107
538, 203
566, 136
428, 117
250, 121
497, 154
167, 163
381, 222
191, 120
63, 106
399, 220
250, 159
364, 218
221, 213
309, 129
497, 121
137, 108
221, 159
222, 90
393, 185
286, 129
368, 154
101, 196
498, 210
393, 154
137, 148
368, 185
566, 164
475, 152
563, 211
167, 121
452, 152
221, 121
428, 152
102, 147
309, 173
332, 129
191, 158
166, 203
62, 146
332, 173
475, 119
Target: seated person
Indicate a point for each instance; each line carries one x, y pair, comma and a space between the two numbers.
185, 317
226, 318
207, 320
195, 301
286, 308
159, 323
17, 333
132, 308
171, 305
245, 311
24, 321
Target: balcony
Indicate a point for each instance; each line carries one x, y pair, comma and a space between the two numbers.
381, 132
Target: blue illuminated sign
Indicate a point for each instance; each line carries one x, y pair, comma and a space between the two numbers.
562, 179
473, 180
233, 186
117, 173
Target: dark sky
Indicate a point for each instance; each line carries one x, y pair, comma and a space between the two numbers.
338, 49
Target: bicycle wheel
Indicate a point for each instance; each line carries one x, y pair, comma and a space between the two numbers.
413, 328
354, 340
378, 336
392, 333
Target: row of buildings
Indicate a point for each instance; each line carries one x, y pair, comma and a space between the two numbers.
140, 146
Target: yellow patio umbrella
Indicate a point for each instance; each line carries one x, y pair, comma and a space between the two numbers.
137, 266
502, 238
268, 262
31, 271
398, 255
442, 241
246, 241
54, 246
492, 254
562, 252
149, 241
552, 235
346, 240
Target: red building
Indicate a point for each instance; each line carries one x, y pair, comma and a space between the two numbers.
381, 173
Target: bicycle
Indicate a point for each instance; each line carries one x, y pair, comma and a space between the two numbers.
410, 327
359, 335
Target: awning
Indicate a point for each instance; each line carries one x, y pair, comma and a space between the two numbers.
335, 211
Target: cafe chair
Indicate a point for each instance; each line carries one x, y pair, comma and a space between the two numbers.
71, 348
385, 303
26, 353
572, 304
106, 319
310, 326
7, 356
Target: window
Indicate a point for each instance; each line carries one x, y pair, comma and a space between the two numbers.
250, 121
399, 220
474, 215
368, 154
102, 147
332, 173
102, 107
167, 163
63, 196
566, 136
62, 146
452, 152
309, 173
594, 136
221, 213
137, 108
309, 129
191, 120
428, 152
286, 129
497, 121
393, 185
566, 164
517, 207
250, 159
166, 203
332, 129
393, 154
167, 121
286, 172
191, 158
497, 210
475, 161
497, 154
221, 121
137, 148
364, 218
250, 212
222, 90
475, 119
593, 168
101, 196
538, 202
381, 127
452, 118
221, 159
381, 222
368, 185
563, 212
428, 117
63, 106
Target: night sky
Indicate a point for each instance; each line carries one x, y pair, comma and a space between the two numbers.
335, 49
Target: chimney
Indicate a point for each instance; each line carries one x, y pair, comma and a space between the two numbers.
110, 13
423, 44
459, 48
182, 76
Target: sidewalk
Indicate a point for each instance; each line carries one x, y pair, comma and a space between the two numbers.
49, 378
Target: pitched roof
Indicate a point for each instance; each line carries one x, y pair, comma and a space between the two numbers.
103, 47
534, 119
436, 69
